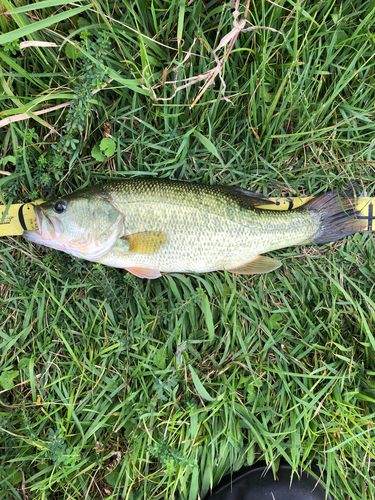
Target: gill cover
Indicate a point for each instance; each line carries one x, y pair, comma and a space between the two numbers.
106, 227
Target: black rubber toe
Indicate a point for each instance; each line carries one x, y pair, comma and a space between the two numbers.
254, 483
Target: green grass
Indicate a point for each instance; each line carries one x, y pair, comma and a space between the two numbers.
117, 387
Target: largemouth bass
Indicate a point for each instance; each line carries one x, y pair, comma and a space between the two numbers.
153, 226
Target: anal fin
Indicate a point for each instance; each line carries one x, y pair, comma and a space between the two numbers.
143, 272
258, 265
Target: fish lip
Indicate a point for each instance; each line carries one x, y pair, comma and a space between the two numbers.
43, 233
34, 235
38, 218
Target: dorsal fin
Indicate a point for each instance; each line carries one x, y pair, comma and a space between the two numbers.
248, 197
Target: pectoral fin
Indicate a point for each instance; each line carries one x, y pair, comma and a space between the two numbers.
148, 242
142, 272
259, 265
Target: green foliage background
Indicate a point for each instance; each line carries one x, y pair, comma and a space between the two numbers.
116, 387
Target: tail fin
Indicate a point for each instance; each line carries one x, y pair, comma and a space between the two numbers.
338, 214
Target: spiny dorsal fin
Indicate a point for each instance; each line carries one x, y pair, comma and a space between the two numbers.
259, 265
148, 242
251, 199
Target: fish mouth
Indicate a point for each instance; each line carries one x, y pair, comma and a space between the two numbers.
49, 228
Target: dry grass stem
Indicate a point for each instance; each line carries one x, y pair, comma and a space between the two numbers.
209, 76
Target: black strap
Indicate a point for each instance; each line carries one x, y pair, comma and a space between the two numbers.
21, 217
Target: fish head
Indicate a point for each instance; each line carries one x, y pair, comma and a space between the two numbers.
85, 225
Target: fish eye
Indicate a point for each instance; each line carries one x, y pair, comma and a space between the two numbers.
60, 206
